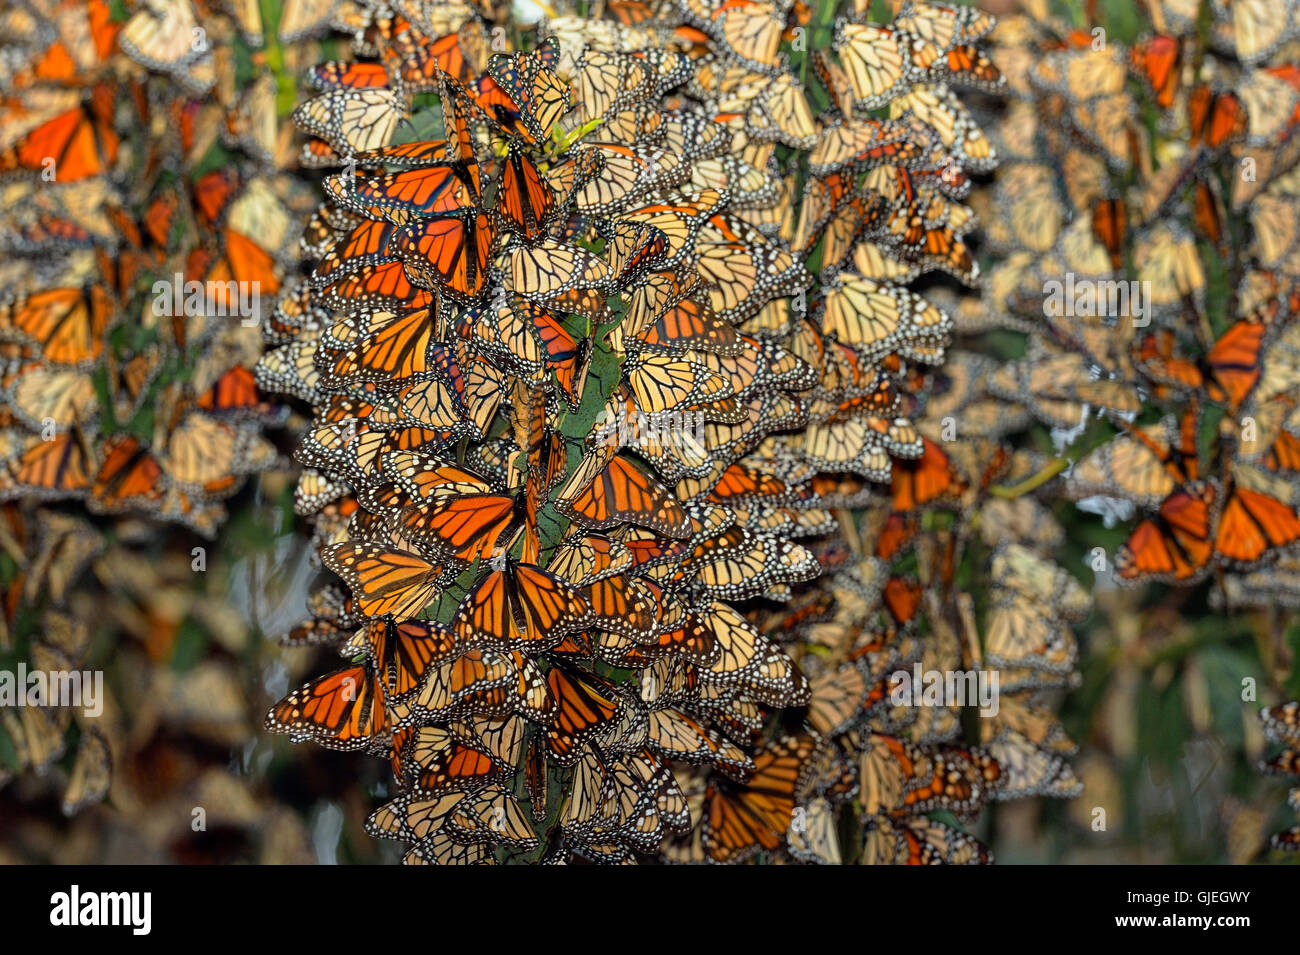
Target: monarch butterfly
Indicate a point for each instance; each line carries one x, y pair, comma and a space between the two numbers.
1251, 524
1158, 60
1027, 769
352, 120
75, 145
64, 641
239, 260
755, 565
748, 659
442, 188
1018, 568
523, 94
1022, 634
1143, 464
466, 526
751, 29
1281, 723
67, 324
585, 709
52, 469
411, 477
898, 777
837, 700
1056, 387
742, 269
921, 841
937, 107
367, 244
1175, 545
916, 482
876, 61
564, 356
37, 735
402, 653
941, 25
209, 455
609, 85
1234, 363
385, 580
459, 55
478, 681
234, 395
550, 268
447, 253
1217, 119
290, 370
80, 44
491, 815
526, 201
676, 735
877, 318
1271, 103
740, 820
603, 496
251, 125
679, 218
161, 36
341, 75
634, 249
622, 802
341, 710
876, 261
92, 772
1109, 225
660, 384
128, 477
395, 349
383, 286
1158, 357
520, 604
314, 490
318, 154
964, 65
444, 762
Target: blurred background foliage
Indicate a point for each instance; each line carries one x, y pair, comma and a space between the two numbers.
1166, 716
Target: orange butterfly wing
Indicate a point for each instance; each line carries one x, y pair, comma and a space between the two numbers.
468, 525
341, 710
1252, 524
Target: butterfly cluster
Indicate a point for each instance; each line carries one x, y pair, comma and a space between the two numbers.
882, 209
541, 614
1141, 219
146, 208
581, 414
1106, 226
108, 225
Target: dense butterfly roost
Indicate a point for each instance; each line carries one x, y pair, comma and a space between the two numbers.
129, 159
582, 414
1143, 216
1195, 438
903, 606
